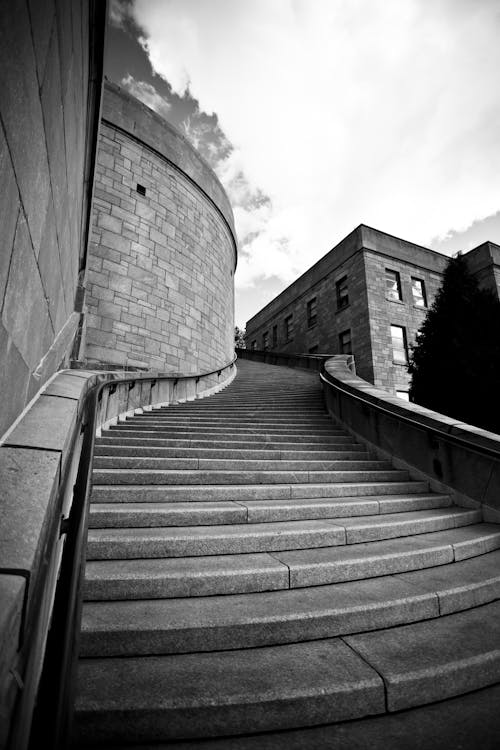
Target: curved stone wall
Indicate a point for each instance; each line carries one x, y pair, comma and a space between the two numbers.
160, 286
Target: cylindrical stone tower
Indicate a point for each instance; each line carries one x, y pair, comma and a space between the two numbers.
160, 285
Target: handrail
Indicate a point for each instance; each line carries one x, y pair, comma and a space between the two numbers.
447, 436
52, 715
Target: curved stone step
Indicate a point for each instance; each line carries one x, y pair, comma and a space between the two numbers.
168, 477
229, 438
159, 626
116, 515
237, 538
355, 452
229, 574
333, 443
235, 430
273, 687
224, 464
201, 493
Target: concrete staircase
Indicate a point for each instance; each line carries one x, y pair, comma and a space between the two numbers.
251, 568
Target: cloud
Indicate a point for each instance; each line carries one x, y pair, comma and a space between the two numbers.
339, 112
120, 12
147, 94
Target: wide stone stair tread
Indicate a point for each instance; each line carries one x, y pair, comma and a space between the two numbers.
106, 450
186, 695
236, 538
224, 464
201, 493
252, 567
186, 477
238, 573
159, 626
105, 515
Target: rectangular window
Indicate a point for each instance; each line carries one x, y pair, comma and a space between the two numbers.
312, 313
399, 346
342, 293
392, 285
345, 346
313, 349
289, 328
265, 341
403, 394
418, 291
253, 345
275, 337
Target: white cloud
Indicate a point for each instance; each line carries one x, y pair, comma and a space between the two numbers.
147, 94
341, 111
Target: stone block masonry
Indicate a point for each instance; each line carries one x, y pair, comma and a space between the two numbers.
48, 125
160, 284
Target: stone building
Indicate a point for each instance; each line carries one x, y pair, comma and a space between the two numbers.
50, 89
368, 296
160, 285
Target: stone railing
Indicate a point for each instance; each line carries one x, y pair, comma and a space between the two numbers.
302, 361
455, 457
45, 462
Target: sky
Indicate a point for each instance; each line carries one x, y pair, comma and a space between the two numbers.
320, 115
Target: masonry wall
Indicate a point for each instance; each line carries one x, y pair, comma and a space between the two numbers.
160, 284
47, 124
384, 312
319, 282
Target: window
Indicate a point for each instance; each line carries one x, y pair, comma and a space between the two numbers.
418, 291
275, 337
312, 313
399, 347
289, 328
345, 346
265, 341
342, 293
253, 345
313, 349
392, 285
403, 394
141, 189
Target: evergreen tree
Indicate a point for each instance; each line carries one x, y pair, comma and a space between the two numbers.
455, 363
239, 337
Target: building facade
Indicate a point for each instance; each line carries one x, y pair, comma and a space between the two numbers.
160, 284
368, 296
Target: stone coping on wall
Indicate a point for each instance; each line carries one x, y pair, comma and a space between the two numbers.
127, 113
476, 464
37, 453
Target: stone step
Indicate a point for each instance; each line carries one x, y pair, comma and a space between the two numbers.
230, 692
168, 477
227, 464
162, 626
129, 515
215, 429
332, 443
239, 419
274, 687
243, 573
355, 452
237, 493
238, 538
230, 438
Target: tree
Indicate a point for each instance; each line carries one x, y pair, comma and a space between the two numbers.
239, 337
455, 363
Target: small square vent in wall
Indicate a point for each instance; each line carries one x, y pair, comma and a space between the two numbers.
141, 189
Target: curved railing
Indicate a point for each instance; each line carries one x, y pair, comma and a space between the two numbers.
454, 456
46, 662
